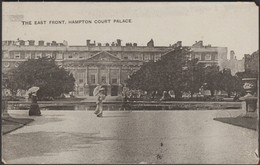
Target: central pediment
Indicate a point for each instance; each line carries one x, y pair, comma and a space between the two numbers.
103, 56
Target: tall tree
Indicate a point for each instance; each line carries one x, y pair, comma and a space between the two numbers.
44, 73
194, 76
164, 75
227, 81
212, 78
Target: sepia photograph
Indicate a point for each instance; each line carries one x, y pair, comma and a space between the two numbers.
130, 83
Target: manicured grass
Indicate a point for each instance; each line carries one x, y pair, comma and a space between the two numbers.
246, 122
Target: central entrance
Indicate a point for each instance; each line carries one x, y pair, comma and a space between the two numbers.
114, 90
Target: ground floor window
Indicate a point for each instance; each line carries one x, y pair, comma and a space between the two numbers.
114, 90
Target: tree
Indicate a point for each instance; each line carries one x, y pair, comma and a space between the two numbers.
212, 78
44, 73
164, 75
227, 81
193, 76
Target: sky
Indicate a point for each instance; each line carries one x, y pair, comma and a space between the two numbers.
226, 24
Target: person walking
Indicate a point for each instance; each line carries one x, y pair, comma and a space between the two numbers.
100, 97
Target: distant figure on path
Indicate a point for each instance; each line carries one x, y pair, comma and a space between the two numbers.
34, 108
99, 92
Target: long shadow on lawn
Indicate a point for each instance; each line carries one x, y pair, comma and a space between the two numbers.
245, 122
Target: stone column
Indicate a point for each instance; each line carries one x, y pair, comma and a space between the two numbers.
86, 85
108, 83
119, 78
98, 75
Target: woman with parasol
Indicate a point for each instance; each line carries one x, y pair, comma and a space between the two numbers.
99, 92
34, 108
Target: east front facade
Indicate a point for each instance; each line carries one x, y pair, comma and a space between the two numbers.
95, 64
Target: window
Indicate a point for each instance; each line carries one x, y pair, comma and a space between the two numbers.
27, 55
22, 55
80, 81
92, 79
125, 57
33, 55
59, 55
147, 57
198, 56
38, 55
17, 55
208, 57
80, 89
12, 55
136, 57
114, 80
216, 56
103, 79
70, 56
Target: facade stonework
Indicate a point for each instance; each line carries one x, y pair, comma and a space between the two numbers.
109, 65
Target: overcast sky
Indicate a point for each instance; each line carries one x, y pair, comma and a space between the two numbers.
233, 25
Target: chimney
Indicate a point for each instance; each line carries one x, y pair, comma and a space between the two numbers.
41, 43
48, 44
118, 41
94, 43
99, 44
107, 44
150, 43
135, 44
88, 42
179, 44
65, 43
113, 44
22, 42
54, 43
31, 42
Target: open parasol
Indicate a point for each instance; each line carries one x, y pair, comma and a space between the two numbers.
33, 90
97, 89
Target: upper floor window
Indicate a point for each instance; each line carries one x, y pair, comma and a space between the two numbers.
198, 56
216, 56
70, 56
208, 57
5, 54
59, 55
125, 57
33, 55
38, 55
22, 55
17, 55
12, 55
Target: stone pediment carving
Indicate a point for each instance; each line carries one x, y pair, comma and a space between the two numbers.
103, 56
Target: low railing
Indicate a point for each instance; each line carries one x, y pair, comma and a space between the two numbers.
133, 105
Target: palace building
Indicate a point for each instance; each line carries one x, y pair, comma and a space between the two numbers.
108, 64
